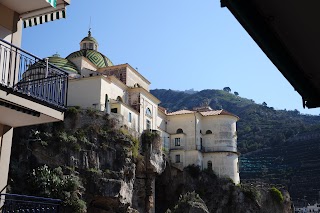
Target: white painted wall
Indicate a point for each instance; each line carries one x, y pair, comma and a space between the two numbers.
85, 92
162, 121
145, 103
225, 164
133, 78
223, 137
112, 90
134, 124
187, 123
82, 64
90, 92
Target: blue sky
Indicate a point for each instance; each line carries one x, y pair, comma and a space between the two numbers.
180, 44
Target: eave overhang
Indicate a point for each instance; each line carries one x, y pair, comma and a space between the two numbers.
288, 33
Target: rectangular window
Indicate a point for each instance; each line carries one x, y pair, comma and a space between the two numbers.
114, 110
177, 141
130, 117
148, 124
178, 159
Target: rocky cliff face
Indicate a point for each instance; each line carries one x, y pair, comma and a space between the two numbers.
95, 165
101, 162
204, 192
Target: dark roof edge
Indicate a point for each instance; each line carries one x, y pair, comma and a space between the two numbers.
257, 27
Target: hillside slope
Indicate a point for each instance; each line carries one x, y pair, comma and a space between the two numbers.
277, 146
259, 126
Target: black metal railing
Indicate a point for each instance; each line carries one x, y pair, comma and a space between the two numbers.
32, 76
10, 203
217, 149
177, 147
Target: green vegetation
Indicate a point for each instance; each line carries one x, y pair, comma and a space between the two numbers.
276, 194
54, 184
250, 192
73, 111
72, 152
149, 137
193, 170
92, 112
259, 126
187, 201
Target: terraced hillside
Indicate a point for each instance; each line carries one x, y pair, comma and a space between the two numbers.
277, 146
294, 164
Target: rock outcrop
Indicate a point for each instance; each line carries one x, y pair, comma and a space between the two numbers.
219, 195
112, 166
95, 165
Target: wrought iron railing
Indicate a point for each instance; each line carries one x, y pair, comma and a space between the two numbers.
217, 149
27, 74
177, 147
10, 203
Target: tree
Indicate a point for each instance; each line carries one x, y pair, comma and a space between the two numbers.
236, 93
264, 104
227, 89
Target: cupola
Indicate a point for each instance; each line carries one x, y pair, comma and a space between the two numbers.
89, 43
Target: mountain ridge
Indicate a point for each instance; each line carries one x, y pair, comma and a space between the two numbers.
276, 146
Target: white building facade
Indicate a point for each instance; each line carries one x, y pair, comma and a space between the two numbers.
202, 137
206, 138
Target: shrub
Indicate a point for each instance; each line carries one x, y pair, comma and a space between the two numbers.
187, 201
92, 112
276, 194
46, 182
193, 170
210, 172
135, 147
72, 111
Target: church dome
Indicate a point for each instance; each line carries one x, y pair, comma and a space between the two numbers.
95, 57
63, 63
89, 38
89, 50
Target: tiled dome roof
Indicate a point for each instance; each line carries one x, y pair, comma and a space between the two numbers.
63, 63
93, 56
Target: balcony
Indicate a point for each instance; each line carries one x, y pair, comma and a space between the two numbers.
32, 91
21, 203
26, 74
176, 147
217, 149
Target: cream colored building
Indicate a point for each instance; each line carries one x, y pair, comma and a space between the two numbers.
24, 102
203, 137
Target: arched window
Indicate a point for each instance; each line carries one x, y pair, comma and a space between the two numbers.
148, 112
209, 165
208, 132
179, 131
